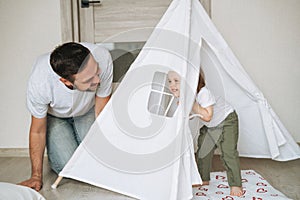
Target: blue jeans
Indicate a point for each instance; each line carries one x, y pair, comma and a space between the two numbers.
64, 135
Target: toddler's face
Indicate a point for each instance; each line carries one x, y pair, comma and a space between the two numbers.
174, 83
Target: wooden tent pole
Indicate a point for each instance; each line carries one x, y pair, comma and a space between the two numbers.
55, 184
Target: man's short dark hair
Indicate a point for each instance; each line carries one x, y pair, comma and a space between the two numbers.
67, 59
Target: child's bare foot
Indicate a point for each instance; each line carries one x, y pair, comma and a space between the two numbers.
203, 183
236, 191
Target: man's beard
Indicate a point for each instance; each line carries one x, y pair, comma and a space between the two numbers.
93, 87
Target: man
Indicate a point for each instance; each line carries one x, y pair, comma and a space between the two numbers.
66, 91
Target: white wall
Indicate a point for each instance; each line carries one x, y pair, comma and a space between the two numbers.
265, 36
28, 29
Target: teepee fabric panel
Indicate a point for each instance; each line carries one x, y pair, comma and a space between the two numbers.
133, 151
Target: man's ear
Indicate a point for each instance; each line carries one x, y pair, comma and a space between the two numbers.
66, 82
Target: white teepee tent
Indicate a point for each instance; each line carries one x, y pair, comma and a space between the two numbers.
131, 150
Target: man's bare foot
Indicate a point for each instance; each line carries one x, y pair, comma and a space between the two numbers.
236, 191
203, 183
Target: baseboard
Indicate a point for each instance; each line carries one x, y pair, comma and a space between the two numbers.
24, 152
14, 152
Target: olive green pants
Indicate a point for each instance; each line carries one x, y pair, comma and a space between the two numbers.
225, 137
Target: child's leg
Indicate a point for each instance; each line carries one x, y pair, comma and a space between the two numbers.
205, 154
230, 155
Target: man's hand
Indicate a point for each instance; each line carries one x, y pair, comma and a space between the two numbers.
35, 183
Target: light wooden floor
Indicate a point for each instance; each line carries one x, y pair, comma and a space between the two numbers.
284, 176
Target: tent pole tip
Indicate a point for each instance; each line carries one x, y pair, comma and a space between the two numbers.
55, 184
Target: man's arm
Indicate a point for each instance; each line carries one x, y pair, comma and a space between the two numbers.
100, 102
37, 141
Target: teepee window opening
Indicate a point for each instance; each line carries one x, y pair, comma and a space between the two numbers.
161, 101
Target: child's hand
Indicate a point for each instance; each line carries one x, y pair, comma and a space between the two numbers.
195, 115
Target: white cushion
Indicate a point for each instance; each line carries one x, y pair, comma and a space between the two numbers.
10, 191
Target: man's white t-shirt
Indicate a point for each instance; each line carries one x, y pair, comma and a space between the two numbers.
221, 109
47, 94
